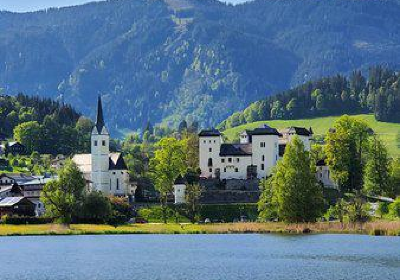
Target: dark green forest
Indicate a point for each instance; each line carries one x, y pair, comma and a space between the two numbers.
43, 125
379, 93
163, 61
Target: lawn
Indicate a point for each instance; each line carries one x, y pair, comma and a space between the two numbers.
387, 131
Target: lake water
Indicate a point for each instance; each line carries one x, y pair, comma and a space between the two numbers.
204, 257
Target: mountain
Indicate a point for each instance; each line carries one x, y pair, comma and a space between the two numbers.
195, 59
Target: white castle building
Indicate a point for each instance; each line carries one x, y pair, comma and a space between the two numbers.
104, 171
254, 157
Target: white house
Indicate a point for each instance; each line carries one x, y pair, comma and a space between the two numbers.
104, 171
253, 157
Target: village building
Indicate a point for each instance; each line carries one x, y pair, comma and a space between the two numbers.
15, 148
18, 206
253, 157
104, 171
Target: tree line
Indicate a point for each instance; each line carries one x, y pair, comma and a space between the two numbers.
44, 125
379, 93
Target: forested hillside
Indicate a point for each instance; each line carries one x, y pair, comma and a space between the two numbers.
167, 60
43, 125
379, 93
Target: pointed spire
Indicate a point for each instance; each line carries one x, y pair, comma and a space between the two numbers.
100, 118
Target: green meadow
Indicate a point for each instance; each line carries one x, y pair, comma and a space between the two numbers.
387, 131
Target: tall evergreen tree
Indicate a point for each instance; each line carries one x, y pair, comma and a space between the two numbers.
299, 196
377, 179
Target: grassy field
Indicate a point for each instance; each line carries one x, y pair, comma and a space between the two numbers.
375, 228
320, 126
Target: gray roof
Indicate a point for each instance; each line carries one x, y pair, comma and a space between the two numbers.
263, 130
209, 132
235, 150
10, 201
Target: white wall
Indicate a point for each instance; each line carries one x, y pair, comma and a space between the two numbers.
205, 144
119, 180
236, 168
100, 161
180, 193
270, 153
324, 176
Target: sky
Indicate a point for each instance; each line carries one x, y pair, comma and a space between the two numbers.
34, 5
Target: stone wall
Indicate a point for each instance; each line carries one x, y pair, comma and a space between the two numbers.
229, 191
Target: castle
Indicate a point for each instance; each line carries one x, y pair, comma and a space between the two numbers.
103, 171
253, 157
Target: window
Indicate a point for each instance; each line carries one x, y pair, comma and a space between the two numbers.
110, 184
210, 162
263, 158
210, 169
236, 169
204, 141
237, 160
222, 160
225, 170
262, 166
209, 141
262, 144
117, 184
229, 159
215, 141
95, 142
210, 150
103, 142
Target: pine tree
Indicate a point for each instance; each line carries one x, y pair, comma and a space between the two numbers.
377, 179
299, 195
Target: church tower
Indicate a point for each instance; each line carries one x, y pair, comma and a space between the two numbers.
100, 149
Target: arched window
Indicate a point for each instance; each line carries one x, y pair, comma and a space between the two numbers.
210, 163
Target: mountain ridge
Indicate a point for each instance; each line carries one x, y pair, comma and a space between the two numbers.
153, 61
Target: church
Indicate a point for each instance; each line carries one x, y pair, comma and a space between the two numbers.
104, 171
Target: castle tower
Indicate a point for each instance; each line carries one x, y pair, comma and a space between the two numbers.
100, 149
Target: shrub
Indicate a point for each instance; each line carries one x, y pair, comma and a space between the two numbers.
229, 212
394, 208
20, 220
155, 214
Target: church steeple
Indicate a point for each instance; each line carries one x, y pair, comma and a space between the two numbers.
100, 118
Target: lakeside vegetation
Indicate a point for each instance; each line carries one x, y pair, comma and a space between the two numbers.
388, 228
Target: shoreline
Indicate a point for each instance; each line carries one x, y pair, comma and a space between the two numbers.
380, 228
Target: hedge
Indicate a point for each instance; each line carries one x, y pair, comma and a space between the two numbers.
229, 212
17, 220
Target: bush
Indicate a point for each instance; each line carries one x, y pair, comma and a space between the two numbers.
155, 214
17, 220
394, 208
229, 212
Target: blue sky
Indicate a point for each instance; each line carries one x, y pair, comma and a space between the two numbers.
33, 5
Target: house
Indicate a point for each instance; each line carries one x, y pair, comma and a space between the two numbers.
33, 189
58, 162
17, 206
15, 148
28, 186
104, 171
253, 157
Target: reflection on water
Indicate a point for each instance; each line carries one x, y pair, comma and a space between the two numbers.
200, 257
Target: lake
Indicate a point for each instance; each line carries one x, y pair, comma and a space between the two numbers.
202, 257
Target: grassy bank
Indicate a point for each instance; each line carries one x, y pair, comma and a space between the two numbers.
373, 228
386, 131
